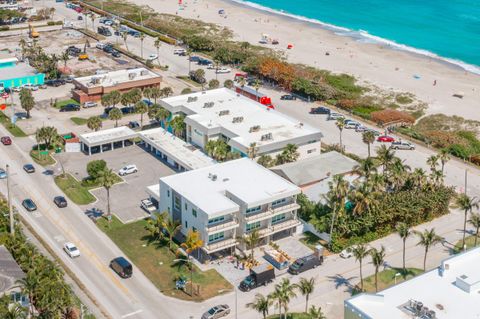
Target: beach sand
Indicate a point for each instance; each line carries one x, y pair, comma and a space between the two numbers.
379, 65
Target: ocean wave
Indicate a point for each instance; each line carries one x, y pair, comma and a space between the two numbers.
364, 36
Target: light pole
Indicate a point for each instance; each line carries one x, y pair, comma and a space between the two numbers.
10, 213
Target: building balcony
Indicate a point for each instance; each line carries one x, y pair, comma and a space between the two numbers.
289, 223
272, 212
219, 245
225, 225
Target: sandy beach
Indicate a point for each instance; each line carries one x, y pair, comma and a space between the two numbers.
384, 67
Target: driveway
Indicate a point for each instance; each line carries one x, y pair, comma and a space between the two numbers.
124, 197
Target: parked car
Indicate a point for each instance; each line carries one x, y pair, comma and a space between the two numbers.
70, 107
127, 110
71, 250
104, 31
122, 267
129, 169
360, 128
179, 51
108, 48
134, 33
108, 22
3, 173
223, 70
260, 275
116, 54
29, 168
42, 86
335, 116
89, 104
29, 205
133, 124
320, 110
30, 87
194, 58
79, 18
152, 57
6, 140
346, 253
376, 133
288, 97
217, 312
147, 205
100, 45
351, 124
400, 145
204, 62
60, 201
385, 138
305, 263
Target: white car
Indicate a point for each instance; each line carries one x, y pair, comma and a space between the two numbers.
71, 250
179, 51
347, 253
129, 169
147, 205
100, 45
89, 104
351, 125
152, 57
108, 22
30, 87
211, 66
223, 70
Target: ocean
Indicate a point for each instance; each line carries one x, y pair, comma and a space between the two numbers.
444, 29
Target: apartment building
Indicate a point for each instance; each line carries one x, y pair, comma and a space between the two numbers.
228, 200
451, 291
241, 122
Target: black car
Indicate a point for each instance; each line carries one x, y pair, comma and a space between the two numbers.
128, 110
29, 168
288, 97
29, 205
133, 124
116, 54
70, 107
122, 267
60, 201
320, 110
194, 58
108, 48
204, 62
104, 31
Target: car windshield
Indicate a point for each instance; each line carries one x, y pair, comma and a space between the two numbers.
212, 310
296, 265
72, 248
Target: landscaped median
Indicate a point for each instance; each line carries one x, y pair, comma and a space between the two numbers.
157, 262
388, 278
74, 189
13, 129
42, 157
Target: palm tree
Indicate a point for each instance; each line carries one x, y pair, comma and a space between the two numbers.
124, 37
475, 222
385, 156
265, 160
366, 167
404, 232
157, 44
126, 98
155, 225
172, 227
251, 241
364, 199
444, 158
360, 251
167, 91
159, 113
261, 304
94, 123
115, 97
107, 179
106, 100
147, 93
142, 38
427, 239
252, 150
433, 162
368, 138
336, 198
340, 124
26, 100
289, 153
213, 84
378, 258
467, 204
156, 94
141, 108
192, 243
178, 125
46, 134
256, 86
228, 84
15, 312
316, 313
65, 57
29, 285
115, 115
306, 287
285, 292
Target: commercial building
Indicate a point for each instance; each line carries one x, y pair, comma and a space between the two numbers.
106, 140
451, 291
91, 88
246, 125
15, 74
228, 200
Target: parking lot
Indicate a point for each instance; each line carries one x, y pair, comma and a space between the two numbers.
125, 197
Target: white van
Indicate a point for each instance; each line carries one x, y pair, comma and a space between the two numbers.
100, 45
179, 51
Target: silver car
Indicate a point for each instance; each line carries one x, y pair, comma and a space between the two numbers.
400, 145
217, 312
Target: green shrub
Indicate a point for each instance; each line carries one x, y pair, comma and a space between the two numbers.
458, 150
95, 167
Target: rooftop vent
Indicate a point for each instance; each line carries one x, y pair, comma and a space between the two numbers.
208, 104
416, 309
255, 128
192, 99
95, 80
224, 112
226, 179
132, 75
237, 119
144, 72
266, 137
214, 177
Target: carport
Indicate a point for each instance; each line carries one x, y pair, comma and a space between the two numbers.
106, 140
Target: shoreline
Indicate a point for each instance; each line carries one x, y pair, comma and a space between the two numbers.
363, 37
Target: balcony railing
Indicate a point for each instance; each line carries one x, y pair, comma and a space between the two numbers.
278, 227
272, 212
213, 247
225, 225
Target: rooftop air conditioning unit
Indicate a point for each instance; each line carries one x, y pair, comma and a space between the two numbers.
192, 99
144, 72
237, 119
255, 128
214, 177
224, 112
95, 80
131, 75
208, 104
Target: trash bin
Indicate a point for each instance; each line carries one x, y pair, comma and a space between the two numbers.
58, 150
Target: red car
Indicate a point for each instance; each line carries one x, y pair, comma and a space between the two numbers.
385, 138
6, 140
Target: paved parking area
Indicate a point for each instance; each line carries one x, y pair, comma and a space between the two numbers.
124, 197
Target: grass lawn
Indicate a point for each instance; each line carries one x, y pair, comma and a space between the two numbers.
59, 104
386, 278
156, 261
469, 241
13, 129
74, 190
43, 160
188, 80
311, 240
79, 120
91, 184
293, 315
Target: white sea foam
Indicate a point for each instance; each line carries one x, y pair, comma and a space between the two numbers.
364, 36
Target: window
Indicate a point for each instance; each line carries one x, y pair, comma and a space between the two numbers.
186, 207
186, 224
216, 220
253, 226
168, 193
176, 203
194, 212
216, 237
277, 219
194, 229
279, 202
254, 210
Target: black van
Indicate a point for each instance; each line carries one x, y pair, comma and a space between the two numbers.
305, 263
122, 267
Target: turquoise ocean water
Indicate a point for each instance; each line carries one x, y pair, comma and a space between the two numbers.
445, 29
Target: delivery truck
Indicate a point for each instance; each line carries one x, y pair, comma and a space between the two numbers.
259, 275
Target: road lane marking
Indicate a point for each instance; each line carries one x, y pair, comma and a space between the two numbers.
59, 238
36, 214
132, 313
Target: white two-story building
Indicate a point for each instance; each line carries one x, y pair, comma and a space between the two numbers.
228, 200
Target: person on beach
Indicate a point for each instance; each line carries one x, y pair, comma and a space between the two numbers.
434, 82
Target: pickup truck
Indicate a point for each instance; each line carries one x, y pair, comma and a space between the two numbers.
260, 275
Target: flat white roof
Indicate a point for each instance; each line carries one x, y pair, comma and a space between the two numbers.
443, 290
183, 153
107, 136
243, 179
114, 78
257, 120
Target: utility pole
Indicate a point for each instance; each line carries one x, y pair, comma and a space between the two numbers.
10, 212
